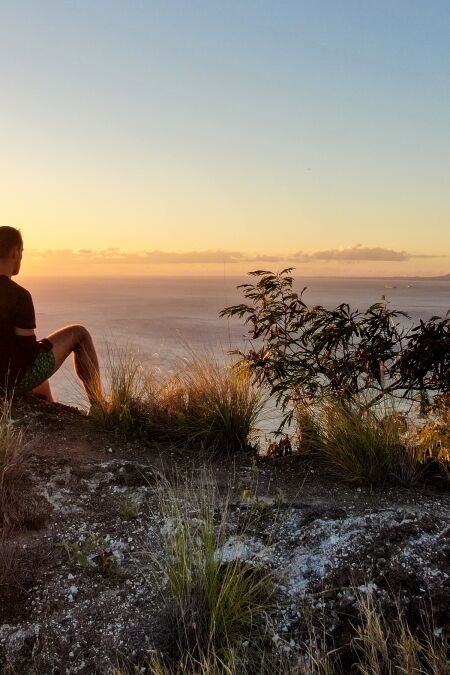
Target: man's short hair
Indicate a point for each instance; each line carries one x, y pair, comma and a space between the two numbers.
9, 238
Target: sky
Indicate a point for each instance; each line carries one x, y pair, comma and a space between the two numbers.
169, 136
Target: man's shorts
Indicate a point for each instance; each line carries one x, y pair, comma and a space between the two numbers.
36, 374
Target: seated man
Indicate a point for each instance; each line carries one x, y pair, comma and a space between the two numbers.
26, 364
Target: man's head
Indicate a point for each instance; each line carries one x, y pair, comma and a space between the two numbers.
11, 249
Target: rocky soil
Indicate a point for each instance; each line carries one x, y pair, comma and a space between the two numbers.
87, 591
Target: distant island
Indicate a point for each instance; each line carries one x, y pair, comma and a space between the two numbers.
442, 277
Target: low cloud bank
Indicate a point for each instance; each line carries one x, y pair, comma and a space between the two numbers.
358, 253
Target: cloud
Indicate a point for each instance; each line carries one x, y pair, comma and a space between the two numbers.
115, 256
358, 253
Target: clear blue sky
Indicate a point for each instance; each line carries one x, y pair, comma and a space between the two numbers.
240, 125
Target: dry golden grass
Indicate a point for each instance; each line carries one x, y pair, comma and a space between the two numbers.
123, 406
12, 466
391, 647
207, 404
211, 405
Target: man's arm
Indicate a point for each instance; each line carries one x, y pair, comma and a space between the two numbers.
25, 332
25, 320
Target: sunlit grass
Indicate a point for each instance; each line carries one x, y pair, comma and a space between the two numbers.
212, 405
122, 406
207, 404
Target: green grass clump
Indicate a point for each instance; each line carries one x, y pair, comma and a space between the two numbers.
211, 405
214, 606
368, 448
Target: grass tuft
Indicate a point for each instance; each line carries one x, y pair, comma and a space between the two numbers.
12, 465
123, 408
9, 564
388, 647
366, 447
207, 404
216, 605
211, 405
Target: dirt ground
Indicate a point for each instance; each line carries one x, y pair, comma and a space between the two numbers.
87, 590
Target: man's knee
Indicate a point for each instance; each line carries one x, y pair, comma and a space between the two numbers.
80, 333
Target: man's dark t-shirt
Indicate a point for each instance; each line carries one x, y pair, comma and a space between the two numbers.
17, 352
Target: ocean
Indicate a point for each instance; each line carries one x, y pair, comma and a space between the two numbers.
162, 319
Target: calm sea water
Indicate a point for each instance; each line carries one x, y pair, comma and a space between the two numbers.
162, 318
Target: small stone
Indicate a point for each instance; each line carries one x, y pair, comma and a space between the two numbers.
109, 450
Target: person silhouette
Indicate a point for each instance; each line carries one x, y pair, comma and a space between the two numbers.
27, 364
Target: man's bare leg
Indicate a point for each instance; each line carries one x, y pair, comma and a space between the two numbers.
77, 340
44, 391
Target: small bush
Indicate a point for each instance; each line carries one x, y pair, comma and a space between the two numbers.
366, 447
341, 352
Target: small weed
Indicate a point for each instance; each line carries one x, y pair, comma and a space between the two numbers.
246, 491
261, 507
255, 468
129, 509
280, 498
91, 551
73, 552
